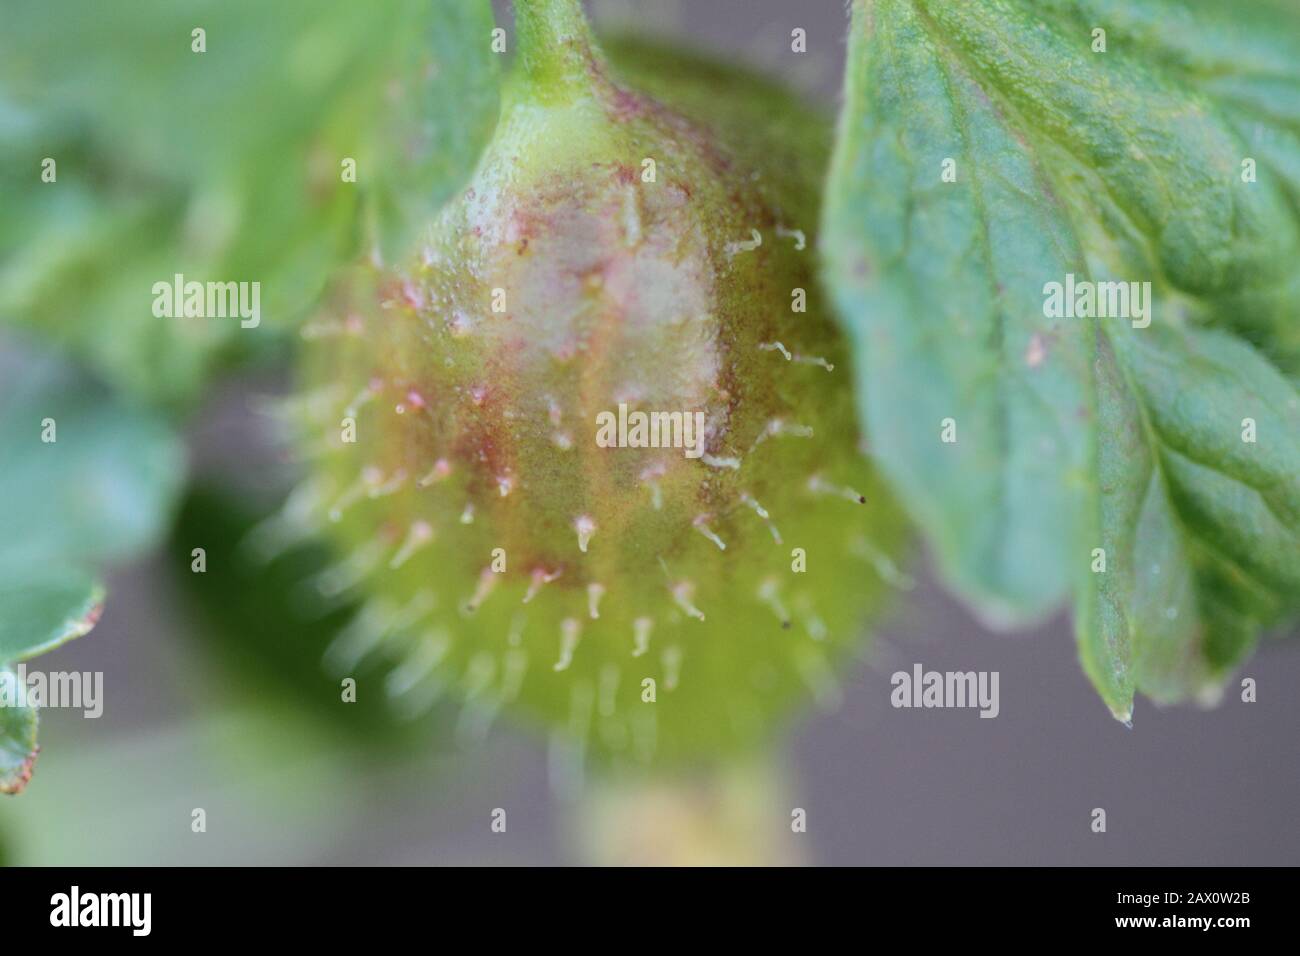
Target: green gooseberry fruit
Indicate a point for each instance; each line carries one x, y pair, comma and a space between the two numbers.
598, 462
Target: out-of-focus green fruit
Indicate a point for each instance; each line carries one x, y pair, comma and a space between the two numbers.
616, 249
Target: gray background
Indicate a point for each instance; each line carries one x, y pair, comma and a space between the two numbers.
880, 785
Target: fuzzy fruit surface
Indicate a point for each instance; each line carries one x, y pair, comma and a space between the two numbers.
639, 603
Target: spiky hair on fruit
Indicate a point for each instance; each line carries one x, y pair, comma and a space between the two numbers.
636, 234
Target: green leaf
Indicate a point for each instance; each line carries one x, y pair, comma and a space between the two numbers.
1206, 526
86, 478
17, 735
1074, 434
224, 165
440, 93
44, 609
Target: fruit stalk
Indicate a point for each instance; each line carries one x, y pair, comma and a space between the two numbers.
556, 48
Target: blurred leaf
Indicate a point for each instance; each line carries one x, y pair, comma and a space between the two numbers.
17, 736
1073, 434
221, 166
439, 110
83, 479
43, 609
101, 490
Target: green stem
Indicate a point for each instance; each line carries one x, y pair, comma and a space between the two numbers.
557, 53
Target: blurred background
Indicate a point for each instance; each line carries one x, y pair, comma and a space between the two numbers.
214, 697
